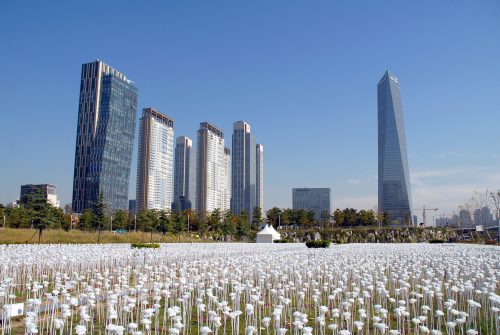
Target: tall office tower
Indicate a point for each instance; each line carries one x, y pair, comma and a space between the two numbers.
260, 176
243, 186
312, 199
211, 178
184, 174
155, 161
394, 193
227, 175
48, 191
104, 137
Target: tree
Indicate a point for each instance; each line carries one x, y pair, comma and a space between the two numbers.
338, 217
144, 220
325, 218
99, 209
243, 228
39, 211
256, 217
164, 222
214, 220
16, 217
86, 219
386, 220
2, 215
153, 221
120, 219
272, 215
66, 225
179, 223
228, 227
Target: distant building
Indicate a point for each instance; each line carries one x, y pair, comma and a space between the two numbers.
260, 176
132, 206
48, 191
211, 170
226, 188
394, 193
483, 216
155, 161
315, 199
243, 170
184, 174
181, 204
104, 137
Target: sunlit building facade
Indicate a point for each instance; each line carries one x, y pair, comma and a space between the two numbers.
394, 193
155, 161
211, 166
104, 137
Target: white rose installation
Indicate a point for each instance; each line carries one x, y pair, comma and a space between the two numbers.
251, 289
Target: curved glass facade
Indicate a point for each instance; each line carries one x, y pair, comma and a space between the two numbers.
105, 137
394, 193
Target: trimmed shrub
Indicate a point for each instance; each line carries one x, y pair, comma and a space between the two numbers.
318, 244
436, 240
280, 241
145, 245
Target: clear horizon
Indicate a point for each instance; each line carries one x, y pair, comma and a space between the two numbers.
303, 75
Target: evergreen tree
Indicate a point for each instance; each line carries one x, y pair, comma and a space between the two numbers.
228, 225
86, 219
120, 219
99, 217
243, 228
39, 211
256, 217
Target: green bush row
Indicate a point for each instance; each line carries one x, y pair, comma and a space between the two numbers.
436, 240
280, 241
318, 244
145, 245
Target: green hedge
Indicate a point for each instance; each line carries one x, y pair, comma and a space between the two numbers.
437, 241
145, 245
318, 244
280, 241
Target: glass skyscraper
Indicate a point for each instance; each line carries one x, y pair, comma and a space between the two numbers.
394, 193
312, 199
243, 173
155, 161
184, 174
260, 176
105, 137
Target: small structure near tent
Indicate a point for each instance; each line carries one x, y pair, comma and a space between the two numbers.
267, 235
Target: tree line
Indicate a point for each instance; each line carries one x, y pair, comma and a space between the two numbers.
35, 212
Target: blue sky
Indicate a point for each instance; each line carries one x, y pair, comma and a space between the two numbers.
302, 73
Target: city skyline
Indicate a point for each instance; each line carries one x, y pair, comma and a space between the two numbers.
303, 80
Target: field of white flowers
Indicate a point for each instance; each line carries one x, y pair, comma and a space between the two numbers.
251, 289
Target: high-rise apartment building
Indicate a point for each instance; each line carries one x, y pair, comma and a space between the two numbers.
260, 176
394, 193
184, 174
104, 138
312, 199
155, 161
226, 192
48, 191
211, 165
243, 186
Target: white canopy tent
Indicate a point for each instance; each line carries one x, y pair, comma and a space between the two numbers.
267, 235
